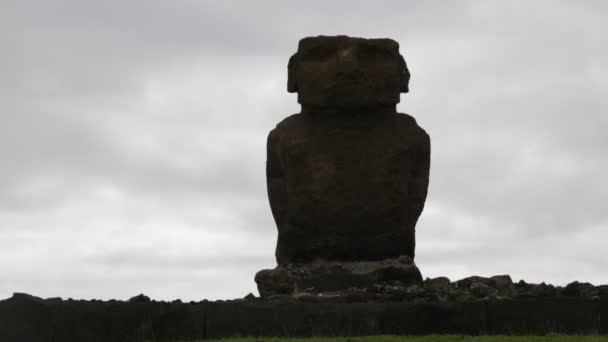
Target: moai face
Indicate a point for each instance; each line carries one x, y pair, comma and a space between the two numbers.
347, 72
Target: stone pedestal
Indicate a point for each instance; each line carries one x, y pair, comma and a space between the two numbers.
332, 278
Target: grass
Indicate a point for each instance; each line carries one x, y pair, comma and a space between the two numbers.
427, 338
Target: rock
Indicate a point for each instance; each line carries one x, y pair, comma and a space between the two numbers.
523, 289
438, 285
504, 286
140, 298
544, 290
482, 290
250, 296
502, 281
281, 298
576, 289
467, 282
24, 297
307, 297
54, 300
274, 282
327, 276
464, 294
522, 285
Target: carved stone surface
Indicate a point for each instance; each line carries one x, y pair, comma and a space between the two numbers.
347, 188
347, 177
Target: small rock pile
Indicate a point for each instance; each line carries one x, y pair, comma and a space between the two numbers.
470, 289
323, 277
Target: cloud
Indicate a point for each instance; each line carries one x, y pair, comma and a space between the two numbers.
132, 139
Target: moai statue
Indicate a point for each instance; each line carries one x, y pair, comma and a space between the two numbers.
347, 177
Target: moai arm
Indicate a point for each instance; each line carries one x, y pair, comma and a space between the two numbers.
275, 180
419, 180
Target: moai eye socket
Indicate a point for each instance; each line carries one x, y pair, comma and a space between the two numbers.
370, 54
319, 52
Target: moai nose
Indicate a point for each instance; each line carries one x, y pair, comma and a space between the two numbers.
348, 65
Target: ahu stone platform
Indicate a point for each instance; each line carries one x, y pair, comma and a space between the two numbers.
473, 306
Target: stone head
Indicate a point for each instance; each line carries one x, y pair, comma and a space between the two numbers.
347, 72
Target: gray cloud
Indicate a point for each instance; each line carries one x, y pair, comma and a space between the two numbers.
132, 138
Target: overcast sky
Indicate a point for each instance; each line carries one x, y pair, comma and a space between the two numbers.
132, 138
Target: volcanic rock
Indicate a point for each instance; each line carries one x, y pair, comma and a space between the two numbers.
323, 277
347, 177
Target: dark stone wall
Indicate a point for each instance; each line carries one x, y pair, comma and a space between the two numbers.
291, 319
603, 312
543, 315
432, 318
28, 318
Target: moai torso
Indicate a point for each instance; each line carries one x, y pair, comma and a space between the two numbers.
348, 176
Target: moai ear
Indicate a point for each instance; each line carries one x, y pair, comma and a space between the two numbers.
292, 84
405, 75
